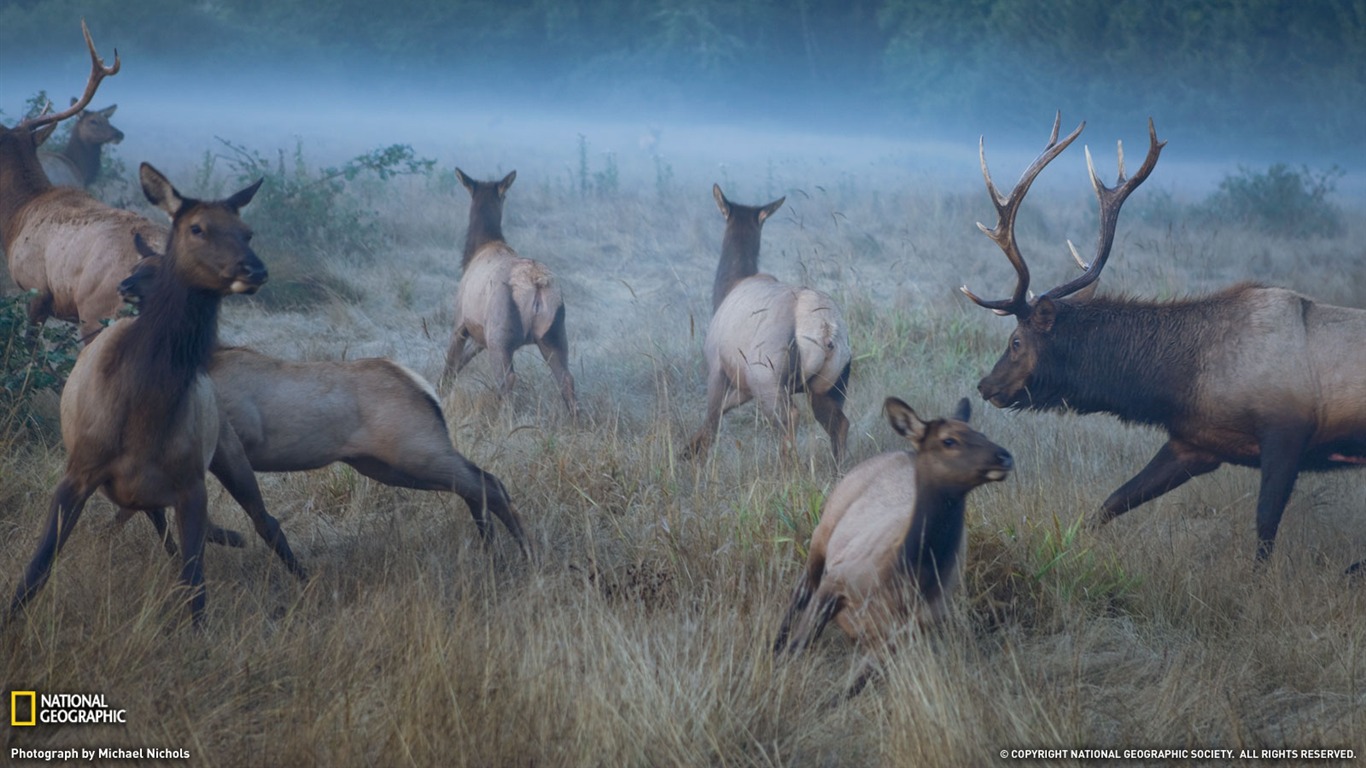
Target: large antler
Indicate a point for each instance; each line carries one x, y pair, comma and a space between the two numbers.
1006, 210
98, 71
1111, 198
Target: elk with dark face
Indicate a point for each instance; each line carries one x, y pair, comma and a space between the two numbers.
504, 301
69, 247
890, 541
139, 418
768, 340
373, 414
1250, 375
78, 164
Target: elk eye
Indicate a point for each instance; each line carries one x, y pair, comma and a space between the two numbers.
949, 442
196, 230
1015, 343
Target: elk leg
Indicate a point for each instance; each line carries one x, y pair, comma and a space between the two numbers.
483, 493
500, 359
214, 534
67, 503
232, 469
192, 513
158, 518
718, 396
40, 308
1280, 462
457, 356
554, 346
1168, 469
829, 414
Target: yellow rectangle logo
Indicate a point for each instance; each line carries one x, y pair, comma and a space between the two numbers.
14, 698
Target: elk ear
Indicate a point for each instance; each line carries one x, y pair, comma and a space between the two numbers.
1043, 314
1087, 293
964, 411
465, 181
771, 208
159, 191
903, 419
241, 197
506, 183
42, 134
107, 111
721, 201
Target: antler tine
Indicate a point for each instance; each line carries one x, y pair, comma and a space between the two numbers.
1111, 199
1007, 207
98, 71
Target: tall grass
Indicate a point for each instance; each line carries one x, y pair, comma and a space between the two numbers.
642, 635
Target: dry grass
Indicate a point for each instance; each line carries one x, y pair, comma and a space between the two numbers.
642, 636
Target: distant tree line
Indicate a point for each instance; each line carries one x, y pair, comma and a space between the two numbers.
1293, 70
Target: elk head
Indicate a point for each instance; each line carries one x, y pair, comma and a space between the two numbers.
93, 126
950, 454
209, 246
1021, 378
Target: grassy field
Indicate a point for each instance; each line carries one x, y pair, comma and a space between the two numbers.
642, 634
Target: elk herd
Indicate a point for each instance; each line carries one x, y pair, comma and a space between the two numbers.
1250, 375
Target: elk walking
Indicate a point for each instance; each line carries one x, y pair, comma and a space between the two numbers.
504, 301
69, 247
768, 340
891, 538
78, 164
139, 417
1249, 375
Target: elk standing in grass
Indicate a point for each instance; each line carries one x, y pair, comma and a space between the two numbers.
78, 164
69, 247
139, 416
1250, 375
891, 534
504, 301
769, 340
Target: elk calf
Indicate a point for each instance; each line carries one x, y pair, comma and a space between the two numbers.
769, 340
78, 164
139, 418
1250, 375
891, 534
504, 301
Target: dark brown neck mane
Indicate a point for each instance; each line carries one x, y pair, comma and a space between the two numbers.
932, 541
21, 176
85, 156
739, 251
486, 220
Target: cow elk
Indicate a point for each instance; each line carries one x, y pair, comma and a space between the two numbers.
376, 415
139, 417
891, 538
1249, 375
504, 301
63, 243
768, 340
78, 164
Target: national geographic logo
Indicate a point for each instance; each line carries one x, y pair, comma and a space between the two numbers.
31, 708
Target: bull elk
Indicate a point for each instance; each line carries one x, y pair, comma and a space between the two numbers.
504, 301
379, 417
78, 164
768, 340
891, 535
1249, 375
69, 247
139, 417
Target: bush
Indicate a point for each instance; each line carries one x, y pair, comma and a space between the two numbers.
33, 361
1280, 201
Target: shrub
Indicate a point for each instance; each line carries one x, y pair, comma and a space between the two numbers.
1280, 201
33, 361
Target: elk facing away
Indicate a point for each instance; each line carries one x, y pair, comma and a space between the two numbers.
768, 340
890, 539
1250, 375
139, 417
375, 415
78, 164
63, 243
504, 301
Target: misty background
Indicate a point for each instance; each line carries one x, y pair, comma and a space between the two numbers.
1229, 84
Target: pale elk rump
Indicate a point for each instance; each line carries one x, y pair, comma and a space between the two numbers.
768, 340
139, 417
1249, 375
59, 241
78, 164
890, 542
373, 414
504, 301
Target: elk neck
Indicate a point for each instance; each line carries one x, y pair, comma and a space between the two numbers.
21, 176
930, 550
739, 253
1138, 360
85, 155
486, 224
